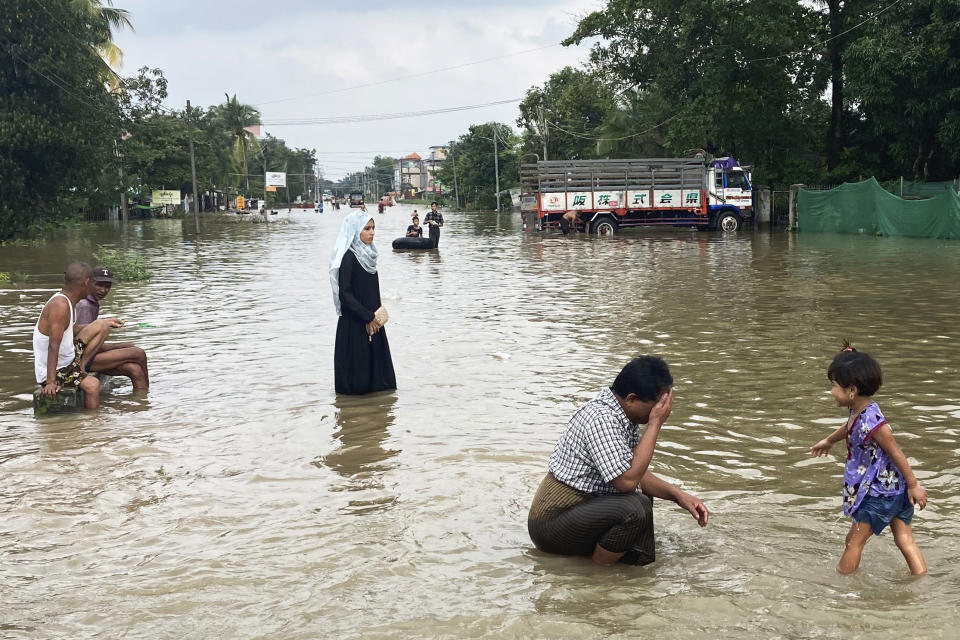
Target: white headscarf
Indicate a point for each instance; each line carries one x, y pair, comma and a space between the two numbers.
349, 240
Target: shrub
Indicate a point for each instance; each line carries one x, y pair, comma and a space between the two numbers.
126, 265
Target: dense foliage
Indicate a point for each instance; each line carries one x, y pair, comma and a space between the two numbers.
58, 122
824, 92
74, 135
473, 153
818, 91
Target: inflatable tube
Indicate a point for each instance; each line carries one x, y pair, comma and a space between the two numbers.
418, 242
413, 243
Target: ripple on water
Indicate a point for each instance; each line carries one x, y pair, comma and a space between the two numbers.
242, 494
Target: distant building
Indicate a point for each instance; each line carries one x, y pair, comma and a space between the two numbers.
409, 176
416, 177
432, 166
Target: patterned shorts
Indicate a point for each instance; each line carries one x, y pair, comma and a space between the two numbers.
73, 373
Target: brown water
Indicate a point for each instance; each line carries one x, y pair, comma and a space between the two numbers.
242, 498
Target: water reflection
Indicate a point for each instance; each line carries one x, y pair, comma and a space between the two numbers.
362, 428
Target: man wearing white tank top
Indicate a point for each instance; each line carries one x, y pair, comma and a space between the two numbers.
55, 347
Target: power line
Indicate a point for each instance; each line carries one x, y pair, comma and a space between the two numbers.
632, 135
65, 86
817, 44
381, 116
87, 44
414, 75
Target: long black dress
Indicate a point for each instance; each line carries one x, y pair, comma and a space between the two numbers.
361, 363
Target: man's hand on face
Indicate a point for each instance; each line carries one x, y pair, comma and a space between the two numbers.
661, 411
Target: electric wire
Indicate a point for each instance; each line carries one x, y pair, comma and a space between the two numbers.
823, 42
407, 77
632, 135
65, 86
381, 116
119, 78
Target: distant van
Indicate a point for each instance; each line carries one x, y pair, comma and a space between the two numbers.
356, 199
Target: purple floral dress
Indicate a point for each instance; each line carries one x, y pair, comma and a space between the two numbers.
869, 471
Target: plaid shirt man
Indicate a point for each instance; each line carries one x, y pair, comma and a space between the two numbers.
435, 216
596, 447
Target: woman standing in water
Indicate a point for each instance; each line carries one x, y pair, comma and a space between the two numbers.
361, 358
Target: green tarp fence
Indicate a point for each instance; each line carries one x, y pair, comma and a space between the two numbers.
912, 188
866, 207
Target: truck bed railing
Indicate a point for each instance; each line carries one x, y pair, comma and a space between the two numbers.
593, 175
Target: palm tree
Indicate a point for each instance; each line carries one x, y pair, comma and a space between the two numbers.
105, 19
238, 118
630, 129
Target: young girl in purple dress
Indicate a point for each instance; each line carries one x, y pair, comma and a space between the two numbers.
879, 487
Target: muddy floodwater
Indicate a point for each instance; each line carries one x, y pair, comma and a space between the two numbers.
241, 498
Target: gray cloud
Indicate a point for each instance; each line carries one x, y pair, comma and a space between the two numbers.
264, 52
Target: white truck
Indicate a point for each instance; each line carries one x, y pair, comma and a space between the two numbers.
604, 196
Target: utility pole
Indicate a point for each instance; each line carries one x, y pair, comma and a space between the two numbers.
193, 169
544, 132
496, 165
456, 188
123, 190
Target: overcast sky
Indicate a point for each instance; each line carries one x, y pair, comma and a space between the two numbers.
281, 55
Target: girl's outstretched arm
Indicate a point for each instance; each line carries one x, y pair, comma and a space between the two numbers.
822, 448
884, 437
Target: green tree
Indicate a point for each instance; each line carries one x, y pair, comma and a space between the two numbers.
105, 19
154, 150
475, 165
903, 78
630, 129
380, 174
274, 155
237, 118
564, 114
58, 123
718, 75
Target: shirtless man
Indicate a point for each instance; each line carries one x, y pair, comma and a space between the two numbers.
60, 357
120, 359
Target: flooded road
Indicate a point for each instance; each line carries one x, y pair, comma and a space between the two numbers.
241, 498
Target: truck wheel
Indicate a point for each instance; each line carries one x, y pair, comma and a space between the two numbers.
604, 227
728, 222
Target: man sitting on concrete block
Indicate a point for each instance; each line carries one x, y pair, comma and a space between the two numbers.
120, 359
61, 357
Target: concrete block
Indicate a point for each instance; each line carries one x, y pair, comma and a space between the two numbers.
67, 399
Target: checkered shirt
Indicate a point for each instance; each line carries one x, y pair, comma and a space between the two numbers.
435, 216
596, 447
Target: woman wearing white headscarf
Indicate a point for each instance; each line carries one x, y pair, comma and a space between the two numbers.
361, 358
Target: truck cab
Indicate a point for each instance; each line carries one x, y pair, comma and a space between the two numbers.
730, 194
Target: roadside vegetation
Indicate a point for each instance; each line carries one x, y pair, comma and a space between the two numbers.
816, 92
74, 135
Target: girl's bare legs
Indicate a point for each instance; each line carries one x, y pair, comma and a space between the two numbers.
903, 536
856, 539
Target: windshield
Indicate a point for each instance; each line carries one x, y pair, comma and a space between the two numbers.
737, 180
